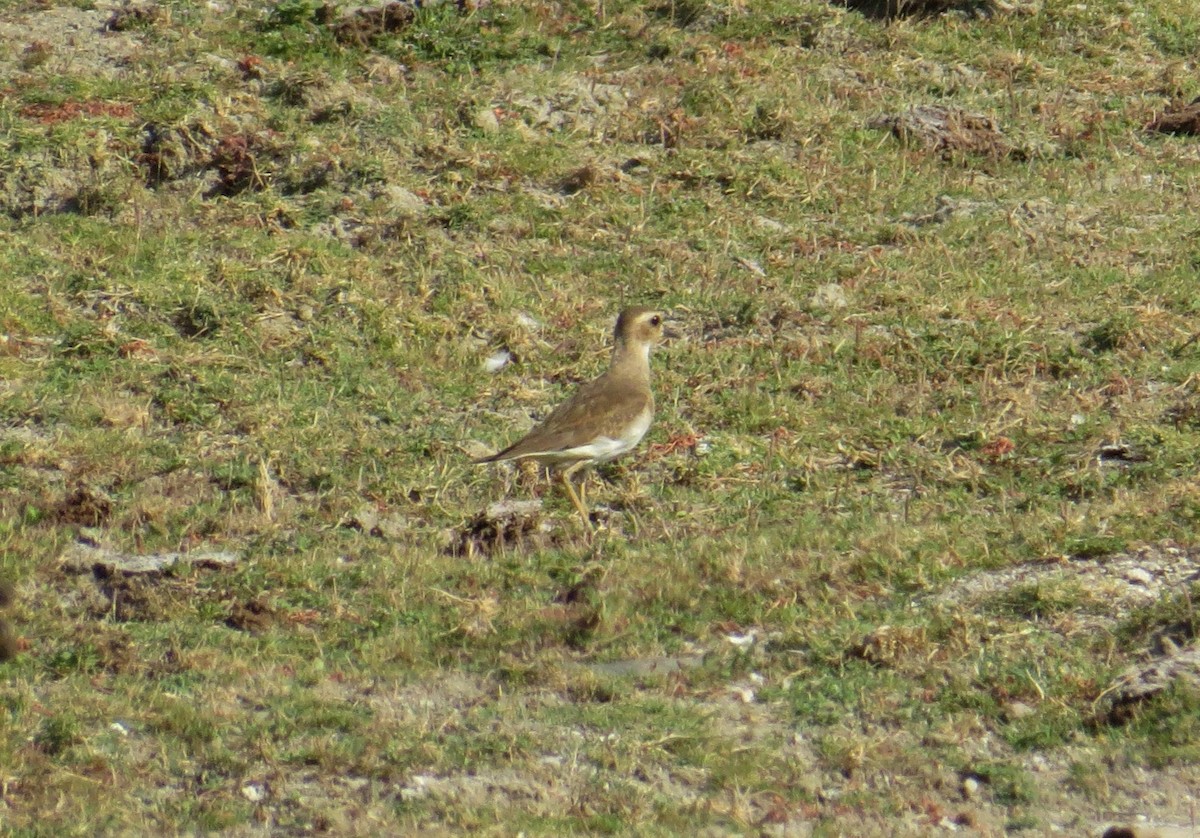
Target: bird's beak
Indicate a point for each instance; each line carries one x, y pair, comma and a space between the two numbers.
671, 330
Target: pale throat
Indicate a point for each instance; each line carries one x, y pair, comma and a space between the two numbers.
636, 356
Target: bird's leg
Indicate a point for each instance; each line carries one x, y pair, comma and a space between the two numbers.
565, 475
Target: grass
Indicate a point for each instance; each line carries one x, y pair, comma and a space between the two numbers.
254, 274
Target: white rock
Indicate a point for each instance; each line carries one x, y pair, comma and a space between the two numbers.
970, 788
829, 296
528, 322
487, 121
743, 693
254, 792
742, 641
497, 360
1139, 576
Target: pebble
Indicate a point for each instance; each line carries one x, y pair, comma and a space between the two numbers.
1017, 710
829, 296
1139, 576
487, 121
970, 788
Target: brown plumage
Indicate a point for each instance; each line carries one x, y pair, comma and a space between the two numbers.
606, 417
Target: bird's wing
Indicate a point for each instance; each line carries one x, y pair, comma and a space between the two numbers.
572, 423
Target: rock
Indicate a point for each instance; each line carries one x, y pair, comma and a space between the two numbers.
528, 322
659, 665
254, 792
1139, 576
1014, 710
497, 360
1148, 831
830, 297
1141, 683
770, 224
970, 788
401, 202
369, 520
946, 131
82, 557
485, 120
945, 208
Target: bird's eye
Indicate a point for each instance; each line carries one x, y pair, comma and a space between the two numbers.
656, 320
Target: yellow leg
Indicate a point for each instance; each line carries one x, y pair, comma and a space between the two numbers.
579, 507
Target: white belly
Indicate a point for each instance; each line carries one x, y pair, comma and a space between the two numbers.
604, 448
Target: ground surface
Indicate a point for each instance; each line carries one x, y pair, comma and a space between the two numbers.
910, 549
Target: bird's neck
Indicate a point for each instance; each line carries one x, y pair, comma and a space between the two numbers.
632, 360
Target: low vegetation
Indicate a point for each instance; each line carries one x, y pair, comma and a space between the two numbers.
920, 495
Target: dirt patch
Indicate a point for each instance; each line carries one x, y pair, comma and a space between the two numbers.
9, 643
47, 114
1184, 119
364, 26
893, 9
170, 152
579, 104
1102, 594
83, 505
105, 648
133, 17
243, 163
254, 616
1119, 583
369, 520
946, 131
140, 598
68, 39
122, 587
505, 525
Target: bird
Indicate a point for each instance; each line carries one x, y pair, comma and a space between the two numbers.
604, 418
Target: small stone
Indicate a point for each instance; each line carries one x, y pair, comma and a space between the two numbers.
528, 322
513, 509
366, 518
661, 665
743, 693
970, 788
497, 360
254, 792
402, 202
770, 224
1139, 576
84, 557
830, 296
742, 641
393, 526
751, 265
1017, 710
486, 121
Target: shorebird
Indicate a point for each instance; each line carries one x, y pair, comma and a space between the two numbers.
606, 417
